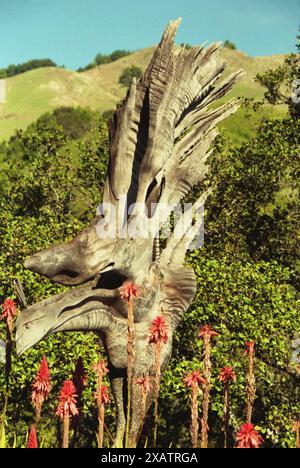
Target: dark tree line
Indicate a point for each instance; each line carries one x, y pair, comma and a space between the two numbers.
102, 59
13, 70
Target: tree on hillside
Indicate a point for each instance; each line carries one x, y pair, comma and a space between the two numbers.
283, 83
102, 59
229, 45
76, 122
13, 70
128, 75
118, 54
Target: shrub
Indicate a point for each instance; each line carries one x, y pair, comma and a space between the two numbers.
128, 75
229, 45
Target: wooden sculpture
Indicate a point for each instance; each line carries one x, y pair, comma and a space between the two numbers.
160, 140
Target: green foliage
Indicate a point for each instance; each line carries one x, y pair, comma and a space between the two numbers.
13, 70
254, 210
128, 75
75, 121
242, 301
48, 200
281, 84
229, 45
101, 59
186, 45
108, 114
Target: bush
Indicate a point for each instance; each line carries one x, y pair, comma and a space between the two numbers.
101, 59
128, 75
76, 122
229, 45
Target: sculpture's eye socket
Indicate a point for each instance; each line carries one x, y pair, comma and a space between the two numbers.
27, 325
110, 280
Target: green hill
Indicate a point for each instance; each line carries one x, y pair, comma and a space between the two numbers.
33, 93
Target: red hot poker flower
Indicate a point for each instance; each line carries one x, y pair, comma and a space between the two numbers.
129, 291
249, 347
194, 378
158, 330
42, 385
32, 438
227, 375
67, 400
248, 437
9, 309
207, 332
145, 384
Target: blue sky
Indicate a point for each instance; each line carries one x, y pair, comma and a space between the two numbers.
72, 32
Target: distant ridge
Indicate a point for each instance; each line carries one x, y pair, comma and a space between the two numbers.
31, 94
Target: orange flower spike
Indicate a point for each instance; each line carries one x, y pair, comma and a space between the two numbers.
248, 437
194, 378
129, 291
227, 375
67, 400
41, 387
32, 438
158, 330
207, 332
249, 347
9, 310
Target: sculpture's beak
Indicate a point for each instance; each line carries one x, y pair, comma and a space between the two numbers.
37, 321
74, 262
31, 327
44, 318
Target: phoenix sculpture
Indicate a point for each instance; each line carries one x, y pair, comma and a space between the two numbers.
160, 140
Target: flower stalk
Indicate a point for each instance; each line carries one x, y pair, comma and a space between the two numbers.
101, 398
129, 292
206, 333
193, 381
67, 408
251, 383
9, 311
296, 429
158, 337
226, 377
145, 385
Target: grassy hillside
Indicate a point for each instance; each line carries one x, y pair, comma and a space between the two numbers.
33, 93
